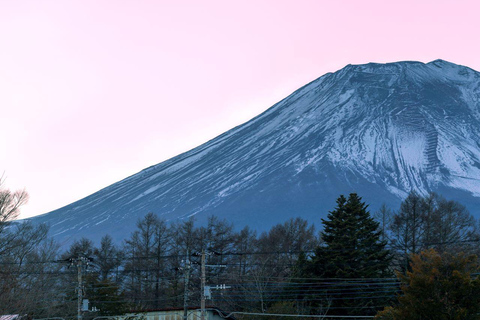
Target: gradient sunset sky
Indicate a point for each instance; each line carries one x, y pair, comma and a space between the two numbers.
94, 91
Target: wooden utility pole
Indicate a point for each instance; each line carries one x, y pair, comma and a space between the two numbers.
202, 288
80, 288
185, 293
82, 262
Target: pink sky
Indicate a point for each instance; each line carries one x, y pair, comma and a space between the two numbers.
94, 91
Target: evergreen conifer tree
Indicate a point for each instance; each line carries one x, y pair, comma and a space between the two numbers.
351, 254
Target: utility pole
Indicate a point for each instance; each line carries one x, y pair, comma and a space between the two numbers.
202, 289
185, 294
80, 288
81, 261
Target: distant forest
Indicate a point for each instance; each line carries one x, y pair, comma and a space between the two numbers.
354, 264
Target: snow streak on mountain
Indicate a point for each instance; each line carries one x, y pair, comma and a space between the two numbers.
380, 130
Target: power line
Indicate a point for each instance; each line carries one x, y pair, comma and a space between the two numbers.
296, 315
248, 253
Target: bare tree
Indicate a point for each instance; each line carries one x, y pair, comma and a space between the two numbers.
431, 222
25, 259
274, 255
146, 265
452, 227
406, 229
108, 258
25, 266
10, 203
384, 216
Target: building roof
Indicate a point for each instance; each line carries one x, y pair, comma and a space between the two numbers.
223, 314
9, 317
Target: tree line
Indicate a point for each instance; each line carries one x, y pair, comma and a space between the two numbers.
347, 268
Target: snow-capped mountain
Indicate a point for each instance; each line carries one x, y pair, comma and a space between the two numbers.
380, 130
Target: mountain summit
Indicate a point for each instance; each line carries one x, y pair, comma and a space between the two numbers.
380, 130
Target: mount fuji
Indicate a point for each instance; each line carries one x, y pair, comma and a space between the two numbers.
381, 130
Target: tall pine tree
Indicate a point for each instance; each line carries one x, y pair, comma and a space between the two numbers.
350, 256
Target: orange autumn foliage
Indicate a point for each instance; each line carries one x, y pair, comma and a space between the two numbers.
438, 287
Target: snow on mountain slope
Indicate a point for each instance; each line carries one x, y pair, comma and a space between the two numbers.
377, 129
